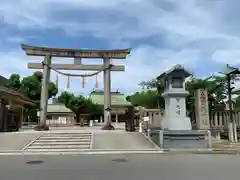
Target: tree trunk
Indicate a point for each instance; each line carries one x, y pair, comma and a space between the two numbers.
108, 125
81, 122
77, 118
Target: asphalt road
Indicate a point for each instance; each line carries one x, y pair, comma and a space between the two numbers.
120, 167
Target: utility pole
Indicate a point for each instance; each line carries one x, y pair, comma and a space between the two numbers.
232, 128
231, 132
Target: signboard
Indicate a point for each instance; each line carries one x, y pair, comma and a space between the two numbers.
146, 118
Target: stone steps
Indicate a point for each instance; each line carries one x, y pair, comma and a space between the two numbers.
56, 138
65, 135
62, 140
56, 150
39, 147
60, 143
56, 142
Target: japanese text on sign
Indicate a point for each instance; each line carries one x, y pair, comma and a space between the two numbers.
178, 107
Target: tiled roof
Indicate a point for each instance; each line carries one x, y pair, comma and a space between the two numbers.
176, 68
58, 108
117, 99
3, 80
15, 94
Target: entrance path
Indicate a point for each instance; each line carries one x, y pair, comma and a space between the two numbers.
111, 140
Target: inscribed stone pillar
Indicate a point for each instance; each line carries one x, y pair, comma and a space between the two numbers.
202, 109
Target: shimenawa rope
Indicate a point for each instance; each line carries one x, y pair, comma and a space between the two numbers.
78, 75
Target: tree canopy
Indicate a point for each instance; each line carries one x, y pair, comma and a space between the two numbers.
80, 105
150, 96
148, 99
30, 86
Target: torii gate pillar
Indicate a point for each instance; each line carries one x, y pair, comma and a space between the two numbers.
44, 91
107, 90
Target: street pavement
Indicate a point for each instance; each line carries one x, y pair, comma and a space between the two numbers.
119, 167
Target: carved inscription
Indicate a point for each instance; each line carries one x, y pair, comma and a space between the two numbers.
178, 111
203, 106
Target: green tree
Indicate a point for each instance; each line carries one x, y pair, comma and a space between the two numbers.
30, 87
79, 105
14, 81
216, 87
152, 97
153, 85
148, 99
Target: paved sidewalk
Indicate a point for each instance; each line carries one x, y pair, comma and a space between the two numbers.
16, 141
121, 141
218, 147
117, 140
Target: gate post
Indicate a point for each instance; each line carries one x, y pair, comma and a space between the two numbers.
44, 91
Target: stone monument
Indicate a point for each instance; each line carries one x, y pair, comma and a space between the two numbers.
175, 100
202, 109
176, 126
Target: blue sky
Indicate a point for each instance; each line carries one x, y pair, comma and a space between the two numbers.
203, 35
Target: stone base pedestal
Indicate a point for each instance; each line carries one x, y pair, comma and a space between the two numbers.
180, 139
176, 123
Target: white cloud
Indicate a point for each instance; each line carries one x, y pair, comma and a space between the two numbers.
184, 32
137, 68
148, 62
231, 56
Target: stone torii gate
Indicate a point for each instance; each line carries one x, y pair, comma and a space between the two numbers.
106, 67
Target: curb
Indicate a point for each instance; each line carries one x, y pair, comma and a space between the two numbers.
79, 153
124, 151
202, 151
